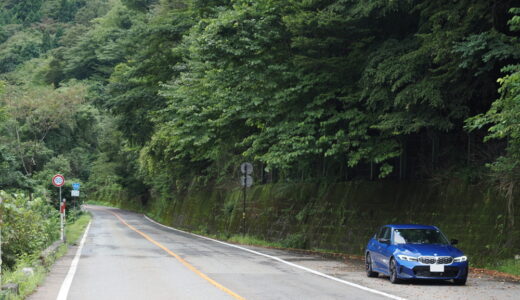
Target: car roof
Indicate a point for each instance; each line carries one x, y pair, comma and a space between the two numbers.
411, 226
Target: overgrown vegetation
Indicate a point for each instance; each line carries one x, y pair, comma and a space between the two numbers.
21, 237
307, 90
28, 282
510, 266
341, 217
29, 226
143, 99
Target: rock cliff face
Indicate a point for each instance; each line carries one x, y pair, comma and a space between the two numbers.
343, 216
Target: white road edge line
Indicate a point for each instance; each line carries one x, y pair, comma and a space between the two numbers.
285, 262
65, 286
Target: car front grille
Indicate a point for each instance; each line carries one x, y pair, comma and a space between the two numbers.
444, 260
431, 260
424, 271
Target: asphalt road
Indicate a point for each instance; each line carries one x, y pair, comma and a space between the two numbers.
126, 256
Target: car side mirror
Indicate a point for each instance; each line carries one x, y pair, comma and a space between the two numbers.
384, 241
454, 242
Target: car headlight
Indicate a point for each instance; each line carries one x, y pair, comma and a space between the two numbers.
460, 259
407, 258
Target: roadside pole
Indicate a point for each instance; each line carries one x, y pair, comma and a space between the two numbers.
62, 219
244, 213
246, 181
58, 181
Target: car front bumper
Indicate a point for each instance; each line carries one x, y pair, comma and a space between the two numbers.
415, 270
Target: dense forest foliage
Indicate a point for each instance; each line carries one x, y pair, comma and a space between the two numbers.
149, 97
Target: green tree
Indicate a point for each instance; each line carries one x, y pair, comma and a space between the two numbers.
34, 113
132, 92
141, 5
20, 47
215, 98
94, 53
502, 121
24, 11
9, 175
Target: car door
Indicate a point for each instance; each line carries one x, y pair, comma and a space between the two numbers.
381, 246
387, 249
373, 247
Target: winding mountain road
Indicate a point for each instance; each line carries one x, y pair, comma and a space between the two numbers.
125, 255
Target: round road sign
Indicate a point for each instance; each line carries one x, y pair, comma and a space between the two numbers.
58, 180
246, 168
246, 181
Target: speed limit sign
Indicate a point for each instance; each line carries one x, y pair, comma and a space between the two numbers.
58, 180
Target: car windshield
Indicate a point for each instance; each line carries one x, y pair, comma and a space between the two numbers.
419, 236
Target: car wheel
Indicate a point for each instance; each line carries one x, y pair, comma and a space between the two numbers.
462, 281
393, 272
368, 266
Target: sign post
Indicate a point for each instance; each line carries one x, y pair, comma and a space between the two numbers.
58, 181
246, 181
62, 219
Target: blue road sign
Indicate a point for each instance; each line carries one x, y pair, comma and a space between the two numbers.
75, 186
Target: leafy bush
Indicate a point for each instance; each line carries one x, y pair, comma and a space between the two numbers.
297, 241
28, 226
73, 214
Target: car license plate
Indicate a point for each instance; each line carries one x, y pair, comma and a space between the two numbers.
436, 268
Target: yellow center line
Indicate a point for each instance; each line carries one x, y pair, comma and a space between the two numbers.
180, 259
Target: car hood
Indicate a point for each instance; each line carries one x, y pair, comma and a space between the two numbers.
429, 250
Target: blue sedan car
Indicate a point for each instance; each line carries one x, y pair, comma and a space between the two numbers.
415, 252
